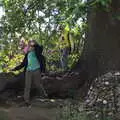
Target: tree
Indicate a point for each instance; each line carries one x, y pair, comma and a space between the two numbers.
102, 44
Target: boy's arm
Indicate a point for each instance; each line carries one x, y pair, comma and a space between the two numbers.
43, 66
42, 62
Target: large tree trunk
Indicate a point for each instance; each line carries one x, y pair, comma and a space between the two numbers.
102, 46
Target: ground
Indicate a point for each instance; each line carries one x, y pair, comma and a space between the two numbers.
39, 110
57, 86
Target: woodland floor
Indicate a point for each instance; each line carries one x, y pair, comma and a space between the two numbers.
39, 110
48, 109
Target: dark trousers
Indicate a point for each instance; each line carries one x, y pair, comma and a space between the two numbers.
35, 77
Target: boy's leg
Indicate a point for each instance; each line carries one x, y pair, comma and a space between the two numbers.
39, 86
28, 81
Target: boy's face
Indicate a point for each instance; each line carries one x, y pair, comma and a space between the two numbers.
31, 45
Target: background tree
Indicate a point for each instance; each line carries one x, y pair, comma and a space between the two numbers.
40, 20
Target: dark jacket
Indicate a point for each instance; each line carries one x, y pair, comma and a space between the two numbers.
40, 57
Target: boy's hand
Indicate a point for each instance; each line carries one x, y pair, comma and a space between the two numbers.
12, 70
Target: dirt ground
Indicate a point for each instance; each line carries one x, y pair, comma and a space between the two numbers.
39, 110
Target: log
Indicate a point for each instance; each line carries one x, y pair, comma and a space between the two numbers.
57, 85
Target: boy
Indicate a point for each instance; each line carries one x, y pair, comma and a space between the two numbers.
34, 64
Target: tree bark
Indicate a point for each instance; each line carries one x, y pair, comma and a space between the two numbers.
102, 45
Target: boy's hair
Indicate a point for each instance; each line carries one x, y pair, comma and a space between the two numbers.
33, 41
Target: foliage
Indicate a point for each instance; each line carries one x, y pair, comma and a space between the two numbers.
8, 62
41, 20
45, 21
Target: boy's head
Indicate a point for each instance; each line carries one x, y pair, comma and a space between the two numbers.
32, 44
